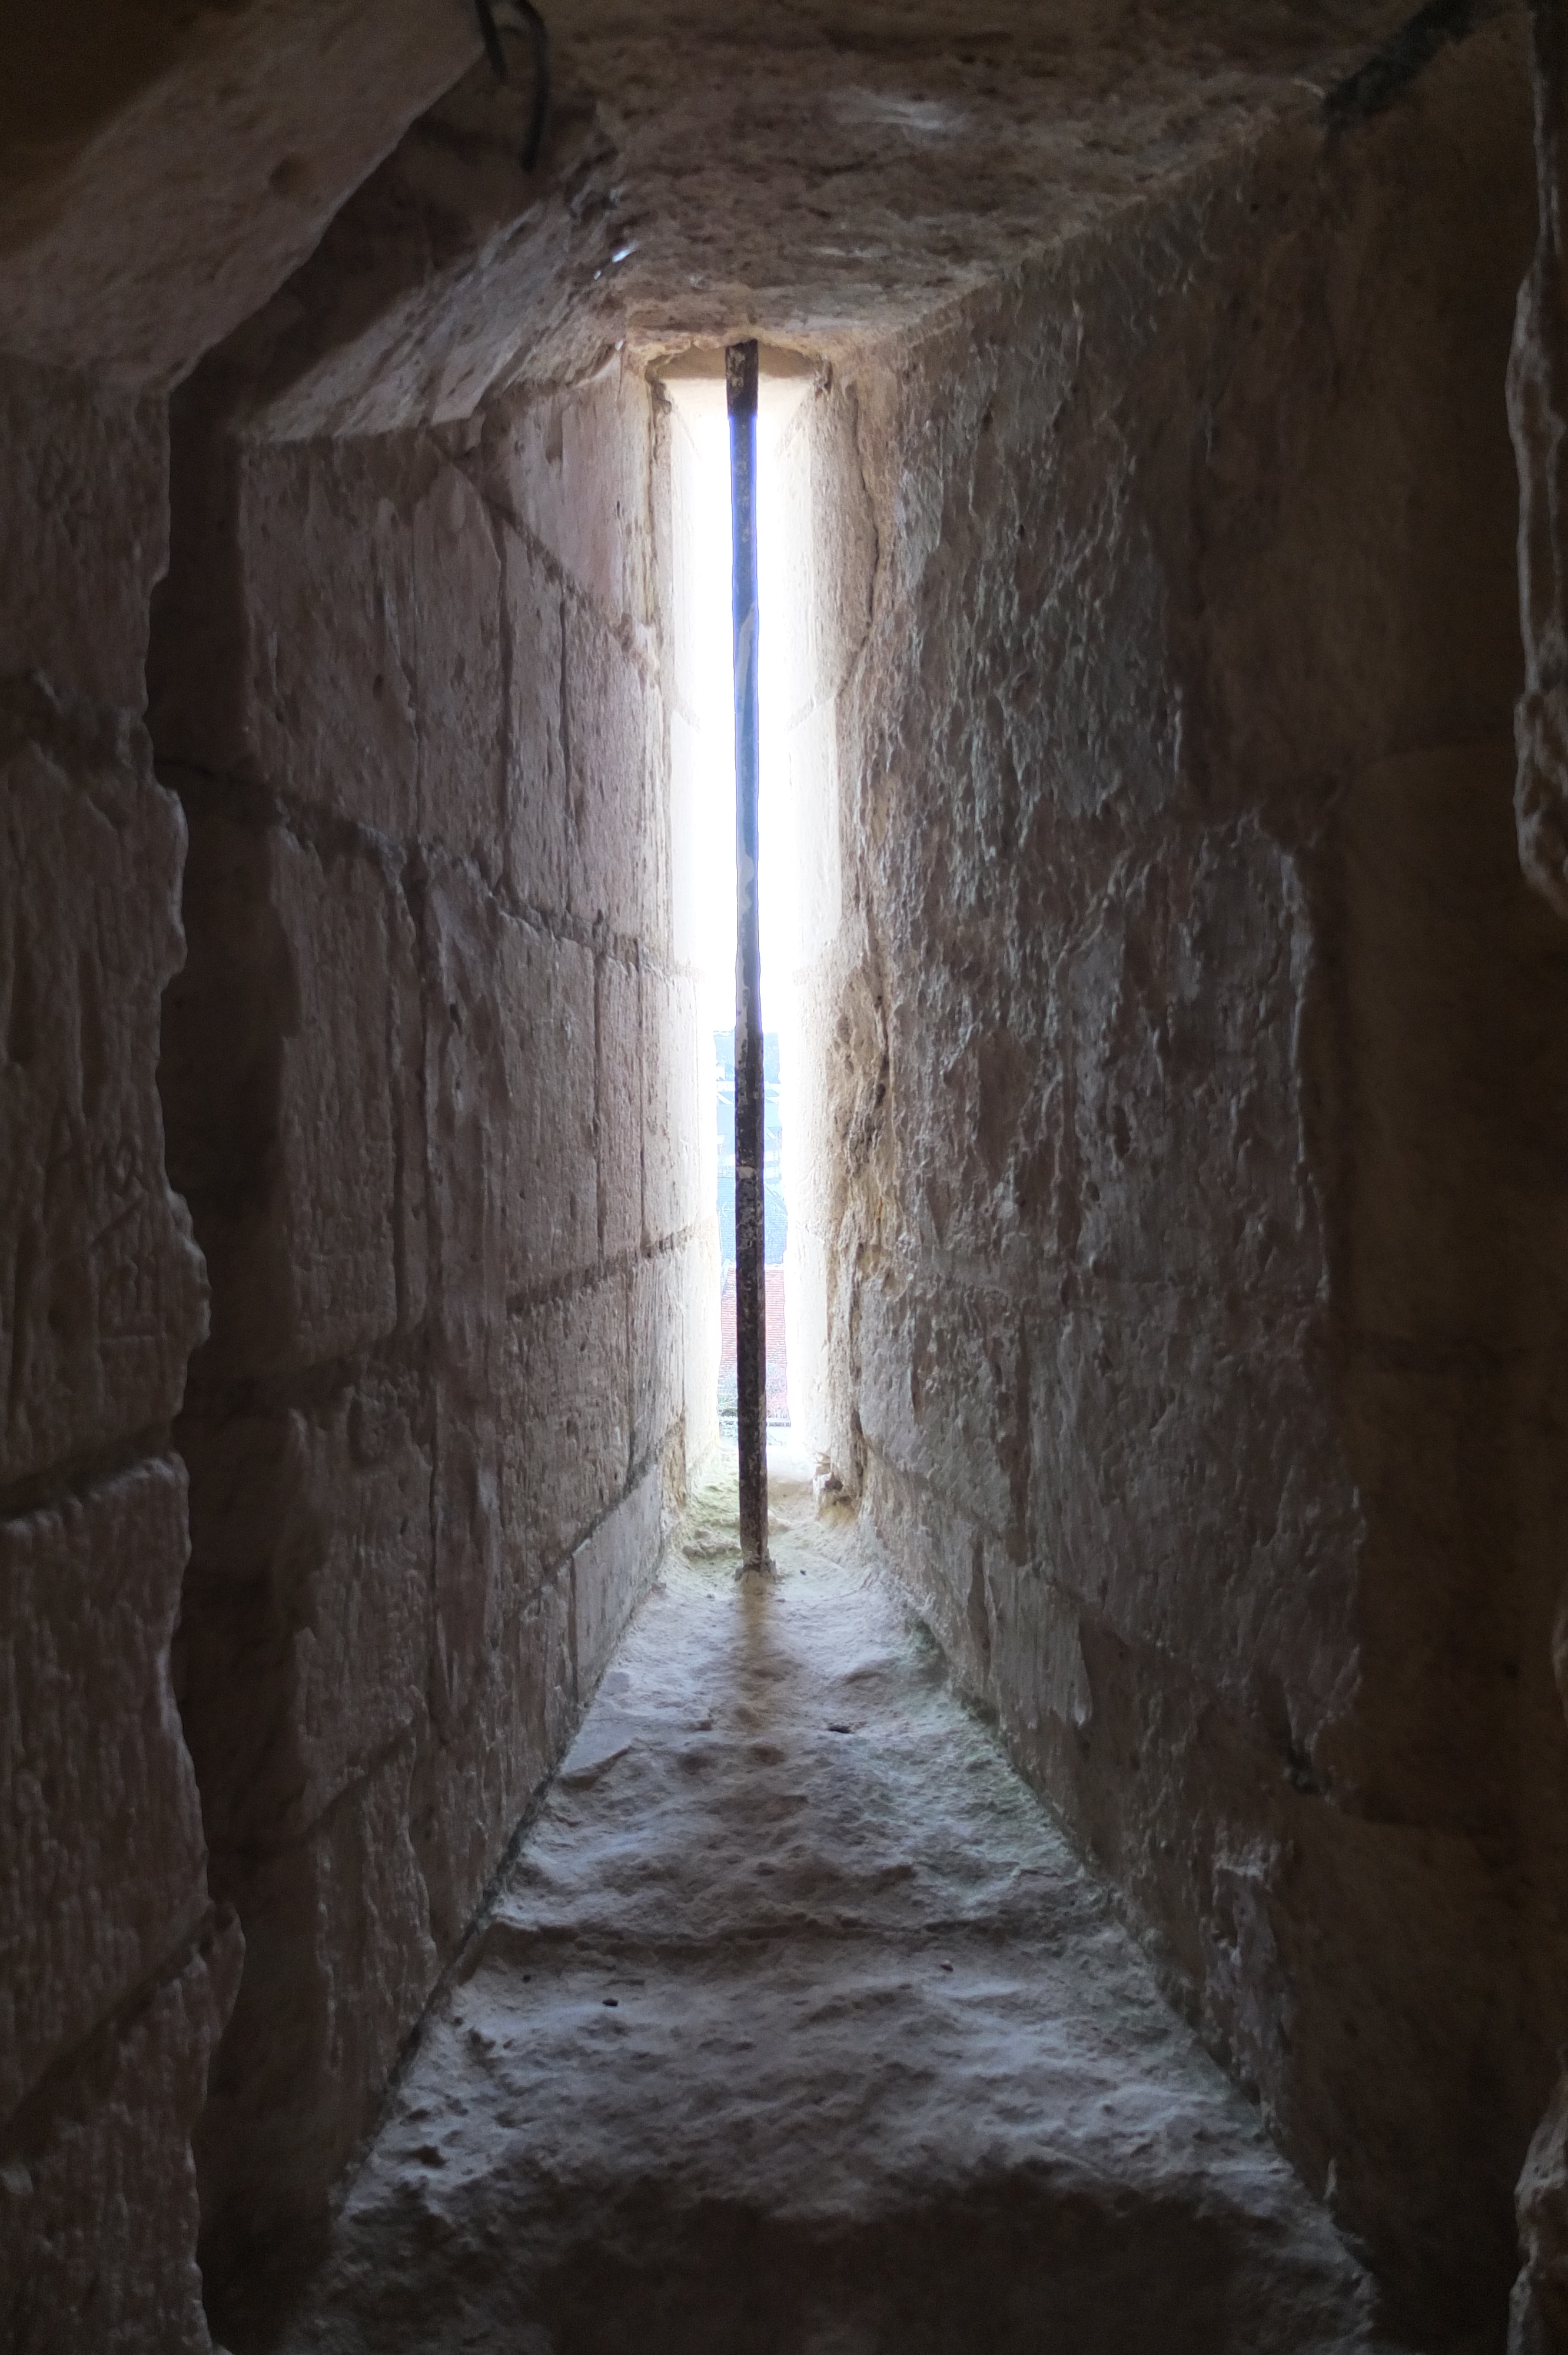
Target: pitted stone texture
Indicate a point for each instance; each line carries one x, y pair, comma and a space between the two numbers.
338, 1962
287, 1074
305, 1633
795, 2024
671, 1104
573, 467
84, 530
194, 163
348, 653
101, 1291
1191, 1297
538, 814
98, 2192
566, 1418
103, 1853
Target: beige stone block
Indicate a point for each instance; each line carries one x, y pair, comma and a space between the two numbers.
611, 1570
84, 530
671, 1107
465, 952
331, 629
537, 816
460, 697
99, 2211
472, 1786
608, 718
701, 1273
620, 1069
1189, 1480
573, 467
551, 1171
101, 1850
943, 1395
101, 1288
290, 1097
305, 1633
658, 1296
338, 1964
566, 1432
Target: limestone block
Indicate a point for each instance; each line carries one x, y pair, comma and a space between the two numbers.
467, 1565
538, 817
84, 530
608, 715
943, 1395
472, 1784
671, 1107
567, 1427
327, 699
610, 1570
573, 467
701, 1271
288, 1096
659, 1286
466, 1058
101, 1850
547, 991
306, 1635
460, 697
101, 1289
1189, 1481
338, 1963
619, 1091
1457, 1126
98, 2192
1182, 1007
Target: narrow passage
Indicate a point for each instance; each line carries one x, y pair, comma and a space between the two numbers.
798, 2029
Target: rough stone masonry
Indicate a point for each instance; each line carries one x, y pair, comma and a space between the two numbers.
1186, 1153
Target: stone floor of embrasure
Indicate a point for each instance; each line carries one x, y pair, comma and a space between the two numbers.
796, 2028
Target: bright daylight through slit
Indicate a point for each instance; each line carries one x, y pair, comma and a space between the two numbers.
705, 783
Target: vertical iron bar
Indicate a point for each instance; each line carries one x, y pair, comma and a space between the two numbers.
750, 1301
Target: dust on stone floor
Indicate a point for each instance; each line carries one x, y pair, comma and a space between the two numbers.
796, 2025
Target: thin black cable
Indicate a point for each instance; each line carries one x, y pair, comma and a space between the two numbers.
1388, 73
539, 37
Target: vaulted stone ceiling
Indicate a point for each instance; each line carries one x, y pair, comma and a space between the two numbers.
806, 169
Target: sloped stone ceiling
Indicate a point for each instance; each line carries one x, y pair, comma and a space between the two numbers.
163, 167
166, 167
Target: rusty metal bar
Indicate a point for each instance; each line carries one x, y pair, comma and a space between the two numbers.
750, 1300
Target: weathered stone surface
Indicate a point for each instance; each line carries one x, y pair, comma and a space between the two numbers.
172, 170
659, 1287
101, 1295
552, 1169
565, 1421
573, 465
305, 1633
671, 1154
97, 2192
840, 1914
103, 1855
538, 812
84, 530
619, 1117
1183, 1270
610, 1570
608, 727
286, 1083
338, 1960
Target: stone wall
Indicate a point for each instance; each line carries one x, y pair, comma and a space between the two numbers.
1205, 1261
427, 1075
116, 1971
